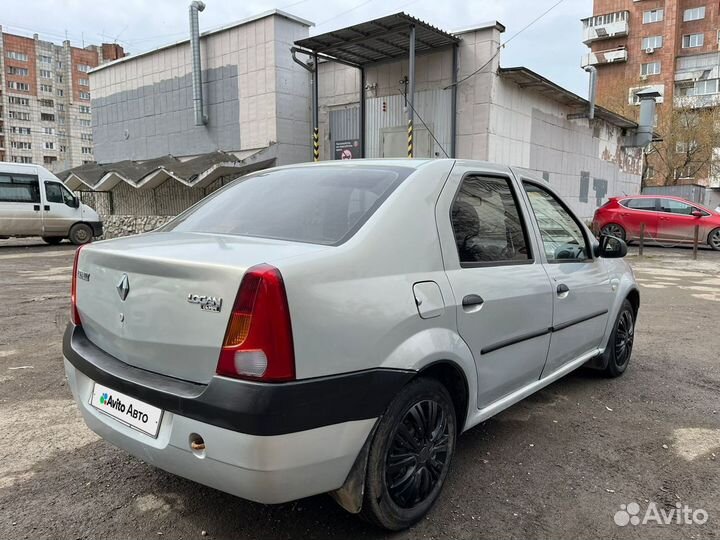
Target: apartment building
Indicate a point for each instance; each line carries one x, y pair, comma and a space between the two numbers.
45, 114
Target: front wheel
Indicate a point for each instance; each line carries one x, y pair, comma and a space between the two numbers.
410, 455
714, 239
80, 233
621, 341
613, 229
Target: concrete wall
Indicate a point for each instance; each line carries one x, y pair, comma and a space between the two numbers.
253, 93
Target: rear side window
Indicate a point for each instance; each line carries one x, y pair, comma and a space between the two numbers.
649, 205
19, 188
317, 205
487, 223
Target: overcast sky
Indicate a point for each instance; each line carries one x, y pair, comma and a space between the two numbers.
551, 47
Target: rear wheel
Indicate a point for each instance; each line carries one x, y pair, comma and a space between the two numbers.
621, 341
80, 233
613, 229
410, 455
52, 240
714, 239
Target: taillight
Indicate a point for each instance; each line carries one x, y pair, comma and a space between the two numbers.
258, 341
74, 313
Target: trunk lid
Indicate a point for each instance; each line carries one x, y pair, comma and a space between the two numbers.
156, 327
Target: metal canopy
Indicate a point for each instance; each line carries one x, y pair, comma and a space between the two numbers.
377, 40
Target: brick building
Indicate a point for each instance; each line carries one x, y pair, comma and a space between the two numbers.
45, 114
670, 46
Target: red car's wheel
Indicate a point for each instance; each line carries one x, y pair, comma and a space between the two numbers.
714, 239
613, 229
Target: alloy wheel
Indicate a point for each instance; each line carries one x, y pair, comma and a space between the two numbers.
418, 454
624, 337
614, 230
715, 239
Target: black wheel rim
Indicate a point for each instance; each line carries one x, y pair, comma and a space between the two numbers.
624, 337
418, 454
613, 230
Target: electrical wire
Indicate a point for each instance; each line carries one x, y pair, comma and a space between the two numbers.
502, 46
366, 2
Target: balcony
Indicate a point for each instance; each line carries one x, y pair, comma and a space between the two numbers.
697, 102
610, 56
607, 26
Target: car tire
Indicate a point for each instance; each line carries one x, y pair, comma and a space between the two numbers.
80, 234
410, 455
621, 341
52, 240
714, 239
613, 229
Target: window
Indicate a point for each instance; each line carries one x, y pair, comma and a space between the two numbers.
86, 136
694, 14
675, 207
323, 206
84, 68
487, 223
84, 82
21, 145
59, 79
562, 236
652, 42
85, 109
60, 92
45, 59
60, 107
682, 147
46, 117
22, 86
63, 148
59, 64
693, 40
46, 102
84, 95
22, 159
57, 193
18, 115
86, 150
14, 55
655, 15
46, 88
22, 72
19, 187
46, 74
703, 88
651, 68
49, 131
20, 130
84, 123
49, 160
13, 100
49, 145
649, 205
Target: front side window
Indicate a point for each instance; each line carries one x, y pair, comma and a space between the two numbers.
562, 236
675, 207
649, 205
487, 223
319, 205
57, 193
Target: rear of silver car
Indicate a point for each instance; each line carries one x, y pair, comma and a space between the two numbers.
180, 350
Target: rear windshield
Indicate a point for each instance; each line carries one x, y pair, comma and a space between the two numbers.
318, 205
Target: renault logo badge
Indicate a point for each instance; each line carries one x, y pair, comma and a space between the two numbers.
123, 287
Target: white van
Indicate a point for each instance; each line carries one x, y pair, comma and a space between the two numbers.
34, 202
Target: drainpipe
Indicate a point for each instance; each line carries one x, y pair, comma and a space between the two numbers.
195, 7
593, 90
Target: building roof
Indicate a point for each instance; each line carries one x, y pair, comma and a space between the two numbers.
199, 171
480, 26
526, 78
380, 39
268, 13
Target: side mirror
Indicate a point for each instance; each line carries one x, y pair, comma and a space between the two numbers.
612, 247
76, 203
697, 213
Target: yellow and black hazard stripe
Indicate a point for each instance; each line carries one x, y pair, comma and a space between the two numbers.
410, 138
316, 145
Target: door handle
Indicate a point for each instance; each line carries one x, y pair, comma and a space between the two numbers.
562, 289
36, 207
472, 300
47, 207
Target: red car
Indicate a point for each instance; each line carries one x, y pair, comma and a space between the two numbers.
669, 220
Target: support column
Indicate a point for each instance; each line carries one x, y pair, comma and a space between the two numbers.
362, 113
315, 112
453, 103
411, 93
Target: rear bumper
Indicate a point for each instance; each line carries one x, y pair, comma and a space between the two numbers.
268, 470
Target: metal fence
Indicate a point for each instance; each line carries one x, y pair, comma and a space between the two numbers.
100, 201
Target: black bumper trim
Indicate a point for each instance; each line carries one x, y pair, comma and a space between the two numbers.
248, 407
97, 228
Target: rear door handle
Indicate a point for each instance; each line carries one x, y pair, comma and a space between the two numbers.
472, 300
562, 289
